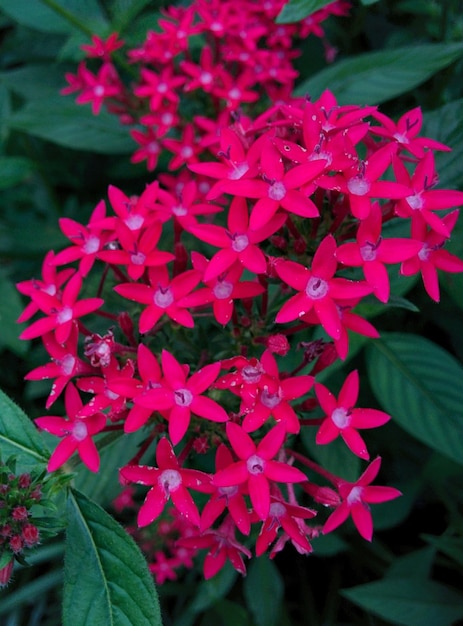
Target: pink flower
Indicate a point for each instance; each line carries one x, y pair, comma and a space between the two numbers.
256, 467
343, 419
284, 515
372, 252
62, 312
355, 498
161, 296
77, 433
431, 256
102, 48
182, 396
318, 290
97, 88
169, 482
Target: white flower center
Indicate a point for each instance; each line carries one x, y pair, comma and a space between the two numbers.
170, 480
186, 152
277, 191
239, 169
270, 400
355, 495
401, 138
424, 253
134, 222
222, 289
228, 491
183, 397
317, 288
341, 417
153, 147
65, 315
358, 186
98, 91
205, 78
251, 374
162, 87
138, 259
179, 211
368, 252
92, 245
255, 464
163, 297
240, 243
415, 202
67, 364
277, 510
79, 431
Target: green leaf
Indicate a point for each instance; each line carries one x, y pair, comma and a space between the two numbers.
13, 170
446, 125
106, 579
35, 81
123, 13
297, 10
34, 15
10, 310
28, 594
409, 601
263, 590
375, 77
20, 438
416, 564
419, 384
73, 126
210, 591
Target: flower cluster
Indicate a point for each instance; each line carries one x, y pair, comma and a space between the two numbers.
18, 494
185, 90
221, 293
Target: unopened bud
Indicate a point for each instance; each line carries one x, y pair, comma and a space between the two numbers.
6, 568
278, 344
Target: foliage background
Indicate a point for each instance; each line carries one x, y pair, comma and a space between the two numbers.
56, 159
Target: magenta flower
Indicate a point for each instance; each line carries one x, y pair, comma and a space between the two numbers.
102, 48
77, 432
97, 88
221, 291
284, 515
135, 212
256, 467
51, 283
231, 498
343, 419
355, 498
87, 241
318, 290
65, 364
161, 296
372, 252
237, 242
169, 482
62, 312
422, 200
182, 396
431, 256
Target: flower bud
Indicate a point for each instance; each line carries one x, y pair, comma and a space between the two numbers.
6, 568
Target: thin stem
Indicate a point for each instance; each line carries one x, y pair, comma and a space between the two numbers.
68, 16
314, 466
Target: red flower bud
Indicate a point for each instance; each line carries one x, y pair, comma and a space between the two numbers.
6, 569
30, 535
278, 344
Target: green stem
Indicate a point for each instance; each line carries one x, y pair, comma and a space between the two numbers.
68, 16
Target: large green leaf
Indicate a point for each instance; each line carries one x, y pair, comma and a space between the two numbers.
39, 16
297, 10
375, 77
446, 125
13, 170
35, 81
20, 438
66, 124
409, 601
335, 457
106, 579
263, 590
420, 385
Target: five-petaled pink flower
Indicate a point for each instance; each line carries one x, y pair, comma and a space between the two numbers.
256, 467
354, 499
343, 419
77, 432
169, 482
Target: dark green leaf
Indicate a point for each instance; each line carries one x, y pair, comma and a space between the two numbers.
19, 437
419, 384
10, 310
73, 126
416, 564
297, 10
210, 591
34, 15
263, 590
335, 456
409, 601
29, 593
106, 579
446, 125
375, 77
13, 170
35, 81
